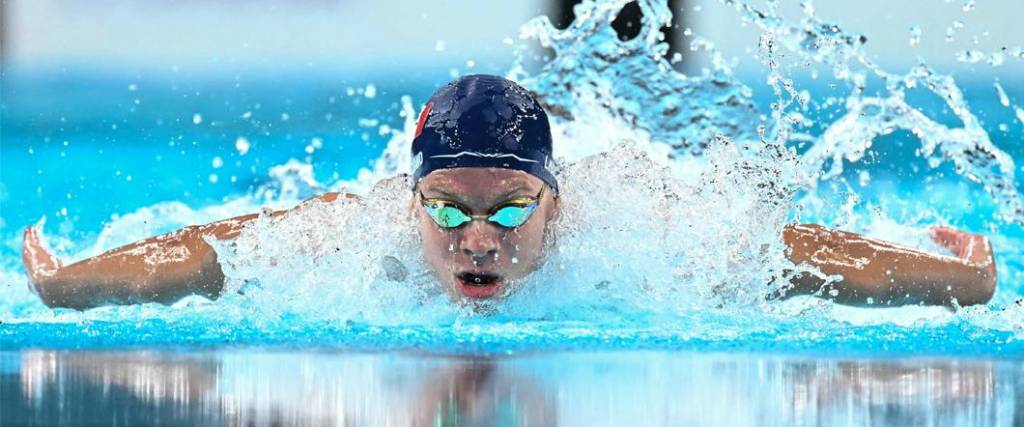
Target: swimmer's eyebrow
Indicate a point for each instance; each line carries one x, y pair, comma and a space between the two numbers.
518, 188
444, 194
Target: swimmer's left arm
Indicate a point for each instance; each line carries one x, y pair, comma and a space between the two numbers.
874, 272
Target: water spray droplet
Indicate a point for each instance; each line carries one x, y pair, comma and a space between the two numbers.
915, 35
970, 56
242, 145
1003, 99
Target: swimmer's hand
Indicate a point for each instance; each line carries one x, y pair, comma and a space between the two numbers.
40, 263
973, 249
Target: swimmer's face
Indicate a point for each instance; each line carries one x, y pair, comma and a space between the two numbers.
481, 260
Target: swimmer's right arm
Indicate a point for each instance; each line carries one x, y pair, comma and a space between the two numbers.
160, 269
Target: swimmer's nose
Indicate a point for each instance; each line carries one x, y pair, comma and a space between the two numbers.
480, 243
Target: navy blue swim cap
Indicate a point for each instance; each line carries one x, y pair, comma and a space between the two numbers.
483, 121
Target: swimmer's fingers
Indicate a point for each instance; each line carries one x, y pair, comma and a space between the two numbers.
40, 263
973, 248
950, 238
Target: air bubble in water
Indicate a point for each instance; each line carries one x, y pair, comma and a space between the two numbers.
515, 260
217, 162
197, 118
370, 91
968, 6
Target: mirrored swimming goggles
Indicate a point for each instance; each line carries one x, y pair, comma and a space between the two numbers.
508, 214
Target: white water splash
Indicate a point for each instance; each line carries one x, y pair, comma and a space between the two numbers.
676, 188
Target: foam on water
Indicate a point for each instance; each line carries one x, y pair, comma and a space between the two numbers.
675, 189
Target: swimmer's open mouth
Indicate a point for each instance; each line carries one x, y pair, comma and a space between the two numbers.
478, 285
475, 279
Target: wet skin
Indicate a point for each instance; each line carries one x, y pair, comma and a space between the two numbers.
481, 248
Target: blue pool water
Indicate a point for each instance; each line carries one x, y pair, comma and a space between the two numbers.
109, 158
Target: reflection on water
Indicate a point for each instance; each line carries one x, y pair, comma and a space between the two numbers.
247, 387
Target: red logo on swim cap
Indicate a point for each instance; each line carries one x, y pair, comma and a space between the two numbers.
423, 119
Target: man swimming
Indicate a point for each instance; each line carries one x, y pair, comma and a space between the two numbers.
484, 195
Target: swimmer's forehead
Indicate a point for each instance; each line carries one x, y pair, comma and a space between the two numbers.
477, 183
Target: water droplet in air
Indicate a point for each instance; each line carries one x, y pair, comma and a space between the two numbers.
242, 145
970, 56
1003, 99
915, 35
996, 59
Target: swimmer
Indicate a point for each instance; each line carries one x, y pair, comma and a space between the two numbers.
484, 196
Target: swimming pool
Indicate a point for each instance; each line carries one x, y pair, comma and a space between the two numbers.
164, 150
